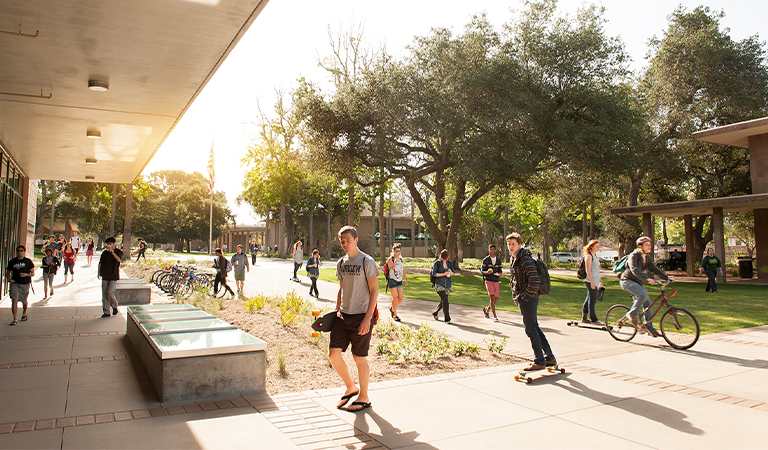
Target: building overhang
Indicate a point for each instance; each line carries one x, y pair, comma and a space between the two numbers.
738, 203
153, 57
736, 134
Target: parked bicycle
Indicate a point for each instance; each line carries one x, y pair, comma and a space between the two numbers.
678, 326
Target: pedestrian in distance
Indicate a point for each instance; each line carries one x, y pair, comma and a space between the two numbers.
525, 281
62, 246
50, 266
313, 271
220, 264
70, 257
53, 245
442, 270
75, 242
639, 264
89, 248
491, 270
142, 250
710, 264
356, 314
593, 282
240, 264
18, 276
298, 259
109, 273
254, 249
396, 278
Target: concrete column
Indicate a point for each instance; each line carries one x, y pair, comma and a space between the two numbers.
688, 220
719, 239
761, 242
758, 163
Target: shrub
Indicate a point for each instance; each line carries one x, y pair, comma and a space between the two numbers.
258, 302
292, 307
401, 343
493, 345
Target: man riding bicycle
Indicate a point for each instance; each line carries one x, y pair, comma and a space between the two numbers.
639, 264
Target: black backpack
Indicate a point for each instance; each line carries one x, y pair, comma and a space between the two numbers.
581, 273
544, 284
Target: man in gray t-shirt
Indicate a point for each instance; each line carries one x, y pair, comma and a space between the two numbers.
355, 305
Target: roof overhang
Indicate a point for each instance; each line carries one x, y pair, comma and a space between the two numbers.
156, 56
736, 134
697, 207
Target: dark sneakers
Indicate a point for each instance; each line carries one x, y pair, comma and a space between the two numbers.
105, 315
114, 311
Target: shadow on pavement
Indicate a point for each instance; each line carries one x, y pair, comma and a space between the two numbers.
751, 363
392, 433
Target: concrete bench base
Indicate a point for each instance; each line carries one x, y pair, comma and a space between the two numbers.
132, 292
199, 377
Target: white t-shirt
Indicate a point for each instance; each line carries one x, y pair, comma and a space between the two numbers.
75, 241
397, 272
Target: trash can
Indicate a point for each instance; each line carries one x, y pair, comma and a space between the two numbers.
745, 268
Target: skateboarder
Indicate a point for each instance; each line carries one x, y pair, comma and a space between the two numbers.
525, 290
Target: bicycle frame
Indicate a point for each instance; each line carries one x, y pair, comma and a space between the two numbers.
664, 303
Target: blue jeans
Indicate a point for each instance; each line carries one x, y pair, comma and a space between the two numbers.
642, 299
539, 343
589, 302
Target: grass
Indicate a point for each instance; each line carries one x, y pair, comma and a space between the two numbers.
733, 307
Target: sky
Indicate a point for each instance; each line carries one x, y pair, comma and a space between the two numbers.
290, 36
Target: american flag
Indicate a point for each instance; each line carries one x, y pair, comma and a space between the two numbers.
211, 171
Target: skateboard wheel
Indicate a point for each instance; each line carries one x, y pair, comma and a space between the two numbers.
562, 370
528, 380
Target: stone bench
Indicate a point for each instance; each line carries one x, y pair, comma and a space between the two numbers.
192, 355
131, 291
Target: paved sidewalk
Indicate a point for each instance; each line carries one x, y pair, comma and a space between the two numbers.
69, 380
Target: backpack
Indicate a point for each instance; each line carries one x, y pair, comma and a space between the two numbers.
544, 283
581, 273
229, 265
620, 266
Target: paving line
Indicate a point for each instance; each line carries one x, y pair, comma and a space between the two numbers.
50, 336
58, 362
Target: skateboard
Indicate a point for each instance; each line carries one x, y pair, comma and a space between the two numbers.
527, 377
578, 323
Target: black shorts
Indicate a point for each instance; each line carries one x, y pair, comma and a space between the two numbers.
344, 332
394, 283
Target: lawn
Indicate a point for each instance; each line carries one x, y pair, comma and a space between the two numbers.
733, 307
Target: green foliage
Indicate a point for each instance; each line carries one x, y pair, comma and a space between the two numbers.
400, 343
493, 345
256, 303
292, 308
282, 363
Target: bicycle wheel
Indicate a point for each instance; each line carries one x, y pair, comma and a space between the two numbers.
679, 328
618, 324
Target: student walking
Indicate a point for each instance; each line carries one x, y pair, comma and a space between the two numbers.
396, 278
254, 249
220, 263
89, 247
50, 267
710, 265
298, 259
142, 250
53, 245
240, 263
313, 271
18, 275
75, 242
593, 283
70, 257
442, 270
491, 270
525, 290
109, 272
355, 306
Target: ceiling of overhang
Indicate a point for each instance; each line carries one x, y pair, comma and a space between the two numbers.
156, 55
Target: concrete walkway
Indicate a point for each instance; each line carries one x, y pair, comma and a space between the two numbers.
69, 380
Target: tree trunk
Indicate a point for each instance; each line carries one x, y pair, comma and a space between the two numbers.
390, 224
128, 219
351, 203
584, 225
373, 228
311, 245
112, 217
592, 221
329, 246
664, 230
382, 255
53, 206
281, 239
700, 238
506, 225
413, 233
545, 235
266, 233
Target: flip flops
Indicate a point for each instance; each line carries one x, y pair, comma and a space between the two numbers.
485, 311
345, 399
12, 323
23, 318
394, 316
362, 406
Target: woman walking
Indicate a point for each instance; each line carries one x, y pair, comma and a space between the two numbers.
592, 282
50, 266
89, 250
442, 270
709, 265
313, 270
298, 259
69, 261
396, 278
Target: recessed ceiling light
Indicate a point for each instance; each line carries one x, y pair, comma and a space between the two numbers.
90, 160
90, 177
98, 85
93, 134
